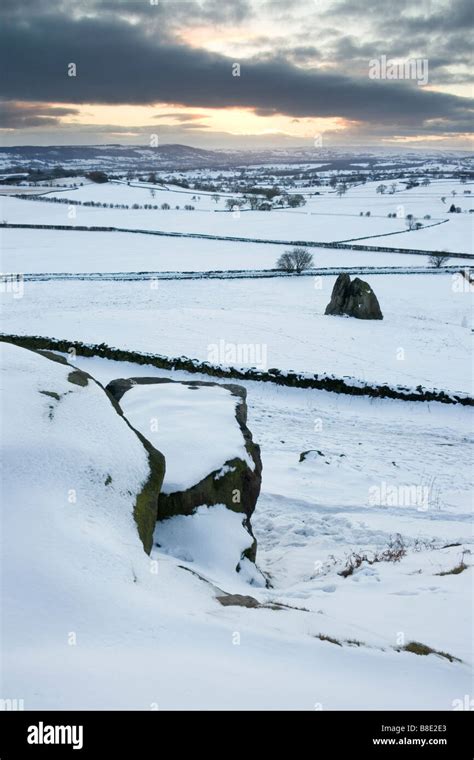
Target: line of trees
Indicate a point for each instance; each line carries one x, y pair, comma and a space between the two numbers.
98, 204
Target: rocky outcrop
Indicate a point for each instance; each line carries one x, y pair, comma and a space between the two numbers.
354, 299
233, 480
146, 500
87, 443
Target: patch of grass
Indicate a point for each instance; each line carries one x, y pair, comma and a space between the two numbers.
394, 552
323, 637
416, 647
354, 642
459, 568
281, 606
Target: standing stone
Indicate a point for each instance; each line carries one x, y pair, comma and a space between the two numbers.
354, 299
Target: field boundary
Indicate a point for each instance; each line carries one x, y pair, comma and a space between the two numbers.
229, 274
290, 379
202, 236
399, 232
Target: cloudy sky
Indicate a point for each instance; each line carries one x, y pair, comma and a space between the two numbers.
234, 73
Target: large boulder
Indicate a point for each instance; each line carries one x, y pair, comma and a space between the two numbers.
201, 427
354, 299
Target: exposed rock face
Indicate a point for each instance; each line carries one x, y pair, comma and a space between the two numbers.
353, 298
238, 600
234, 480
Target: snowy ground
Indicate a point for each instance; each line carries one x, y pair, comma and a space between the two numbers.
379, 476
310, 517
456, 235
142, 616
425, 336
325, 217
275, 225
33, 251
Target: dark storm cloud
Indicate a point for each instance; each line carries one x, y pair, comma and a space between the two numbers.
302, 53
401, 27
20, 115
171, 12
147, 62
454, 51
454, 16
118, 62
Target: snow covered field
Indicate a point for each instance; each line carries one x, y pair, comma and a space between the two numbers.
34, 251
307, 524
456, 235
363, 522
325, 217
276, 225
425, 336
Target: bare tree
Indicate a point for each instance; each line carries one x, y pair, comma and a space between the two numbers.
232, 204
437, 260
286, 262
296, 260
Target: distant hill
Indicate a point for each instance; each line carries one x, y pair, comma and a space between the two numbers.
175, 157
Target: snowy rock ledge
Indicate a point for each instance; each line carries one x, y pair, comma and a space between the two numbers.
67, 449
211, 459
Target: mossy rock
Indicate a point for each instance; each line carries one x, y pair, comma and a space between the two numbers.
233, 484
